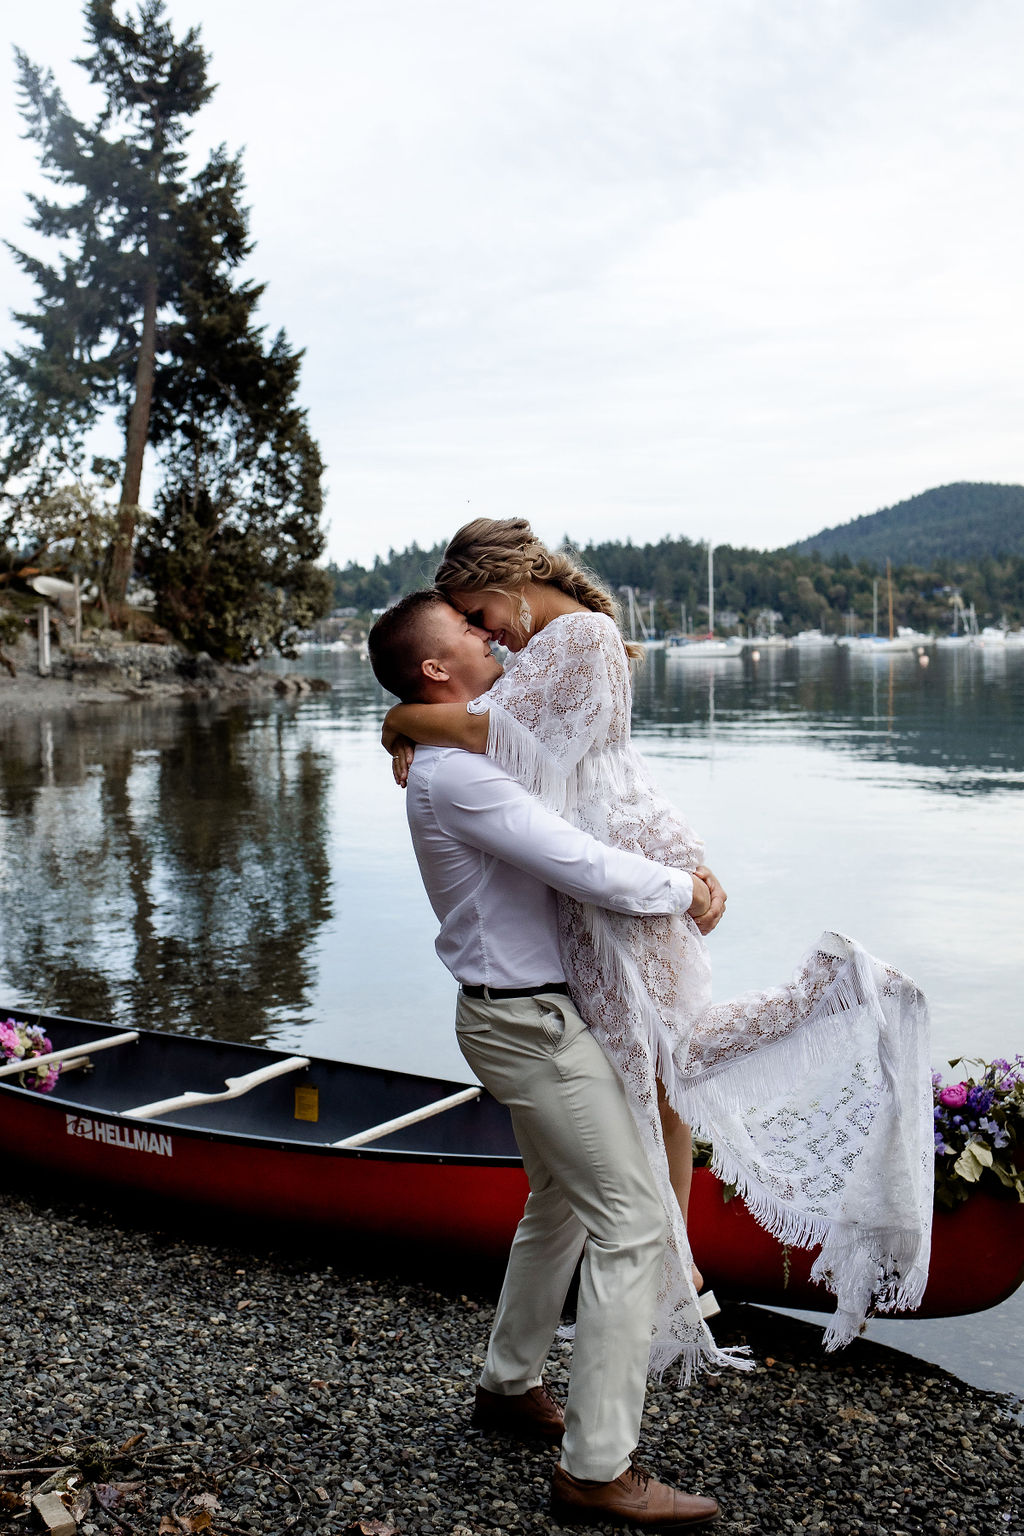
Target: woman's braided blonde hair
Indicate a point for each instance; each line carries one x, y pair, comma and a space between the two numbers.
497, 554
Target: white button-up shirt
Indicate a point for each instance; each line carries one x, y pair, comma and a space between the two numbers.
492, 858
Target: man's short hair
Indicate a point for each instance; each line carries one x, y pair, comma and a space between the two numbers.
402, 639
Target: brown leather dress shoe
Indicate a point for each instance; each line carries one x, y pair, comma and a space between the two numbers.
635, 1498
532, 1415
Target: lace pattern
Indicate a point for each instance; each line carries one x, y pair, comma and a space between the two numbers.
816, 1095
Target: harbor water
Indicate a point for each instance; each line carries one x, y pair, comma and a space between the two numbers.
246, 873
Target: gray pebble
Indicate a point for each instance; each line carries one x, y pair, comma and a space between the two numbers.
334, 1396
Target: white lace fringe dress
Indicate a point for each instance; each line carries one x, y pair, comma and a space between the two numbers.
816, 1096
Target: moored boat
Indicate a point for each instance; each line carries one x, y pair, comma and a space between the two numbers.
359, 1152
709, 648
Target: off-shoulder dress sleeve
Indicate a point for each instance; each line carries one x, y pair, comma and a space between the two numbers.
566, 694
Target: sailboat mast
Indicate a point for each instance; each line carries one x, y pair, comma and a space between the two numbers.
888, 577
711, 588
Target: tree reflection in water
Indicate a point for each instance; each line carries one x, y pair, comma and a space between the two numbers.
163, 868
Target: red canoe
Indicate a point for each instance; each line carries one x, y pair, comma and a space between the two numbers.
363, 1153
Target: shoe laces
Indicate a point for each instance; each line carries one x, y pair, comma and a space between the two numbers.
640, 1475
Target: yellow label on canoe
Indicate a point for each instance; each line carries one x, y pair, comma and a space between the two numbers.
307, 1103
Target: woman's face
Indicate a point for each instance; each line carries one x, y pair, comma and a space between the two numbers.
496, 612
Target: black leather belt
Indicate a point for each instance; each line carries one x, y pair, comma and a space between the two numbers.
495, 994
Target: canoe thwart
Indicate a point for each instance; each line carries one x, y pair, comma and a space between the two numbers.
30, 1063
234, 1088
386, 1127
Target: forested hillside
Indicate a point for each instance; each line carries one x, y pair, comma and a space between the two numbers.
967, 521
750, 584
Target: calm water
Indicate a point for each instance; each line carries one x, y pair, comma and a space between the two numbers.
247, 874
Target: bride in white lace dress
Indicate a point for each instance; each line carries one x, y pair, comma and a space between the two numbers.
815, 1095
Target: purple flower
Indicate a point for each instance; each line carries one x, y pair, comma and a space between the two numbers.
980, 1099
954, 1095
940, 1145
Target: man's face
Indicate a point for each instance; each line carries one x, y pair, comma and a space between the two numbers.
465, 653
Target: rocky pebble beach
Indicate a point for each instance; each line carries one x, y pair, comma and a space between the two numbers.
161, 1383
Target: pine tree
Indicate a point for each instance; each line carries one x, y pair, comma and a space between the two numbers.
143, 313
96, 327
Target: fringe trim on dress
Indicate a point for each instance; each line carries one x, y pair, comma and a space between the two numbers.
866, 1267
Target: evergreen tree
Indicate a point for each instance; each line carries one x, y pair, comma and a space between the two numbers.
143, 313
97, 325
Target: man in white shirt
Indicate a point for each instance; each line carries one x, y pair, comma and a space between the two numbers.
492, 858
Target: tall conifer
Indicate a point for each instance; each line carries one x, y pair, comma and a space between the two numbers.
143, 312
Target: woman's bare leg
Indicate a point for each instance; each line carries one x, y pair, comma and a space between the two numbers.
679, 1147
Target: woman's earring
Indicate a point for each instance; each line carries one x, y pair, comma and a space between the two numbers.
525, 616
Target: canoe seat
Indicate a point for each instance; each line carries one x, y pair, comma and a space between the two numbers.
70, 1052
387, 1127
234, 1088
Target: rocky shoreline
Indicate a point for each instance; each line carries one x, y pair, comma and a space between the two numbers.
107, 669
164, 1384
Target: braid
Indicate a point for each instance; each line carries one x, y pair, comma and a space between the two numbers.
499, 553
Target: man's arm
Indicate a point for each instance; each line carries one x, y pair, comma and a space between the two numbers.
478, 803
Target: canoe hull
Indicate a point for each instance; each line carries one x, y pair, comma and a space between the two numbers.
451, 1185
469, 1207
977, 1257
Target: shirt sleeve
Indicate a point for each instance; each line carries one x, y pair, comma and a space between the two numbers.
475, 801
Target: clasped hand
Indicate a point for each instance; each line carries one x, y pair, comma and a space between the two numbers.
709, 900
401, 751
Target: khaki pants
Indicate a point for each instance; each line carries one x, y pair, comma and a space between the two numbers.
591, 1190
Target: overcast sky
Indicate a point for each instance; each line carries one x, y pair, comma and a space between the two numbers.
733, 270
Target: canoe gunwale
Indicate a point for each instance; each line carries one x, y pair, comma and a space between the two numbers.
58, 1103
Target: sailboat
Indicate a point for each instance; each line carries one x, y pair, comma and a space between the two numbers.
707, 647
899, 639
649, 641
959, 638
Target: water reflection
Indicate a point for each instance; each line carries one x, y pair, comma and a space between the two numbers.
164, 868
960, 717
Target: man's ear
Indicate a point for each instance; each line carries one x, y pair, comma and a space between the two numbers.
435, 671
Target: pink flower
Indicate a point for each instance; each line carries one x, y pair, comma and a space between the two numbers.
954, 1095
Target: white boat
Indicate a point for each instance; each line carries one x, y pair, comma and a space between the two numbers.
900, 638
708, 647
959, 638
879, 645
767, 643
990, 637
807, 639
649, 642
